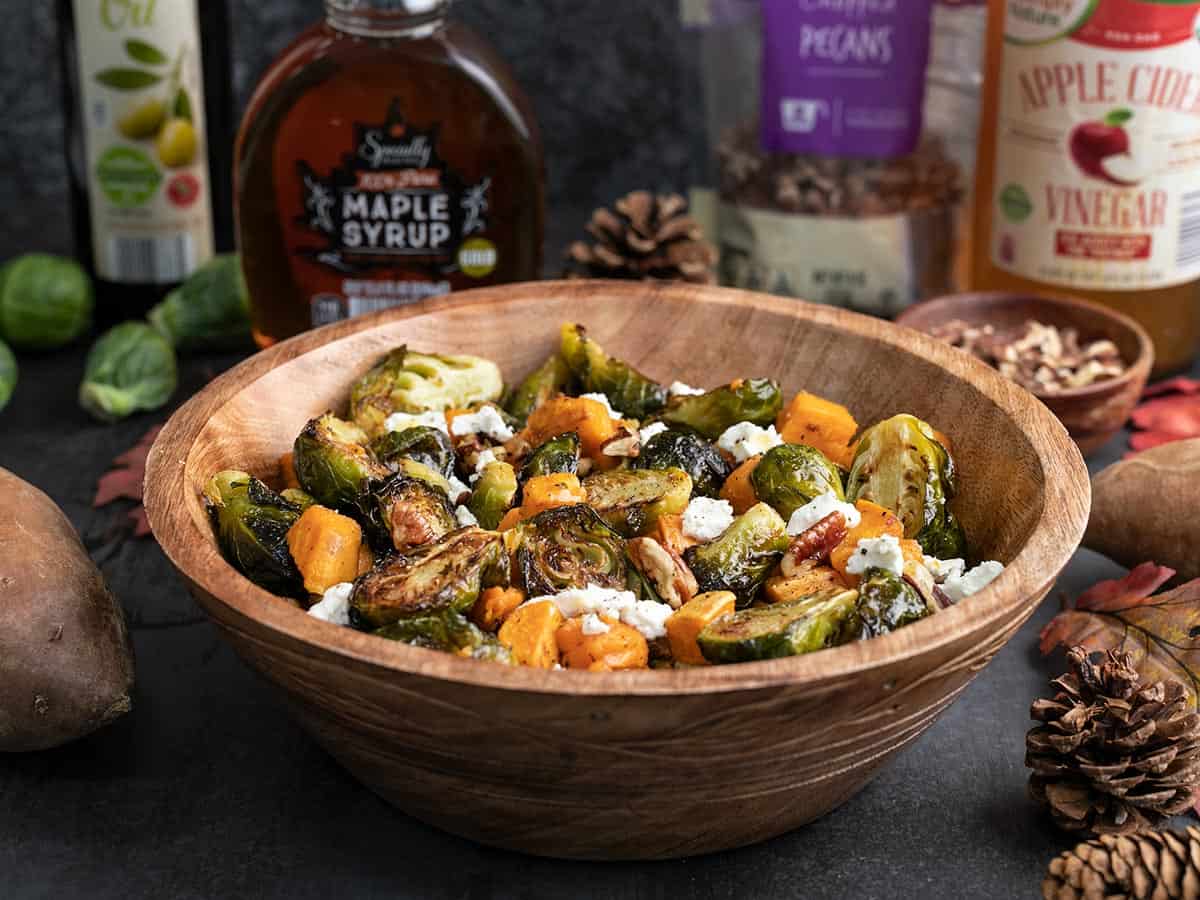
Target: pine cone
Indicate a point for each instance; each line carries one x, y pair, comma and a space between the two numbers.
647, 236
1158, 864
1113, 755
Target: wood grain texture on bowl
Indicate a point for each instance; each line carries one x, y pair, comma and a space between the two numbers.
642, 764
1092, 414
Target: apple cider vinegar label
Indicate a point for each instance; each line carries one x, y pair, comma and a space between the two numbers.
1098, 144
142, 114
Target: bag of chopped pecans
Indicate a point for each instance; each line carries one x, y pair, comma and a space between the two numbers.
841, 137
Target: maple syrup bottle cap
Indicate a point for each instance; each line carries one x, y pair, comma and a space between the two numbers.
382, 18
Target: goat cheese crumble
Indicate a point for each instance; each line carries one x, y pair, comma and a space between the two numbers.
681, 389
745, 439
603, 401
434, 418
817, 509
941, 569
882, 552
647, 616
593, 624
482, 461
486, 422
457, 488
956, 587
706, 519
465, 517
334, 605
654, 428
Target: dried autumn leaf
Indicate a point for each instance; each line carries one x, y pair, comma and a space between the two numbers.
1169, 411
124, 481
1161, 632
1178, 385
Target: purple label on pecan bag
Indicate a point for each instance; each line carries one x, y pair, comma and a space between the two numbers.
844, 77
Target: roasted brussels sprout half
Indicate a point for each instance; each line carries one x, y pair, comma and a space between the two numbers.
428, 446
252, 522
449, 632
633, 500
901, 465
886, 602
569, 547
551, 378
302, 500
407, 511
947, 540
694, 455
494, 494
627, 390
791, 475
559, 454
785, 629
756, 400
333, 463
445, 576
742, 557
407, 381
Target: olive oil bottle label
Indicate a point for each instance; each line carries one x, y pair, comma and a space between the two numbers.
1098, 144
142, 113
390, 223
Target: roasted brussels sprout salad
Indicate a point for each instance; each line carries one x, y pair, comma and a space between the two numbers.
591, 517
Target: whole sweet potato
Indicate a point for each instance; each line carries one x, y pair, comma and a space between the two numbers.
66, 666
1144, 508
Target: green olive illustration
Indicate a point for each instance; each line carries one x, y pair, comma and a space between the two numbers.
176, 143
142, 119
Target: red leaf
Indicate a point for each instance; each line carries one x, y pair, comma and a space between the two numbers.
1178, 385
1117, 593
1144, 440
124, 481
1178, 414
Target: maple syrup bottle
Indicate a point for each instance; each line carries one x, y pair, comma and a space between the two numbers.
387, 156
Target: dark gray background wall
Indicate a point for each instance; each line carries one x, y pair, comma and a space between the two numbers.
613, 83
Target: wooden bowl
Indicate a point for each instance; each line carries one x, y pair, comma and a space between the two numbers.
1092, 414
646, 764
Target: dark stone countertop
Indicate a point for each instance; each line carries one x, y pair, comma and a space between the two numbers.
208, 790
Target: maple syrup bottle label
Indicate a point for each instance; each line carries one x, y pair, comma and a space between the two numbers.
142, 111
1097, 168
389, 223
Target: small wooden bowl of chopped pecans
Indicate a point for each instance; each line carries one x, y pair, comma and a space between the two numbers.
1087, 363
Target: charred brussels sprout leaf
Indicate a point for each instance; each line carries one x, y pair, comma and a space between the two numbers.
449, 632
551, 378
633, 500
791, 475
740, 559
569, 547
946, 540
129, 369
302, 500
428, 446
411, 382
694, 455
333, 464
886, 602
785, 629
756, 400
407, 511
494, 494
252, 522
627, 389
445, 576
559, 454
901, 465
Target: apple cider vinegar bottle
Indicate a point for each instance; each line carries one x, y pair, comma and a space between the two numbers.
1088, 179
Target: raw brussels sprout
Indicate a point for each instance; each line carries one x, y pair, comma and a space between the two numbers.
627, 389
410, 512
784, 629
901, 465
886, 602
449, 632
569, 547
633, 500
756, 400
791, 475
407, 381
129, 369
694, 455
333, 463
429, 446
494, 494
8, 374
45, 301
741, 558
252, 522
559, 454
444, 576
551, 378
210, 310
302, 500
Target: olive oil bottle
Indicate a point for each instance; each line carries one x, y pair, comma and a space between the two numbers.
148, 113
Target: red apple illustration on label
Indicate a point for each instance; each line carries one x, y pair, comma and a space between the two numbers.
1101, 150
